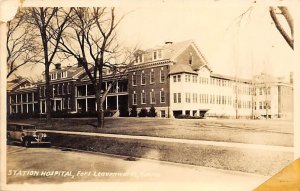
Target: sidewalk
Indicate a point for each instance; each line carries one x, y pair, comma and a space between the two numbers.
174, 140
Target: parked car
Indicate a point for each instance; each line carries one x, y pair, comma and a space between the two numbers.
27, 134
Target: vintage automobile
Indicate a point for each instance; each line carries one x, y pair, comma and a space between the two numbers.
27, 134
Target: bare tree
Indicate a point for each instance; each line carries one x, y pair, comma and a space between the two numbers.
50, 22
287, 35
21, 45
91, 40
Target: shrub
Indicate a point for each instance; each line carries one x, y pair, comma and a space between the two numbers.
152, 112
133, 111
189, 117
143, 113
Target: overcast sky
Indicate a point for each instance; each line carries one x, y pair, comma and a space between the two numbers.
252, 47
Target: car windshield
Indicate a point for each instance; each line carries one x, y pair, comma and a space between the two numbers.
29, 127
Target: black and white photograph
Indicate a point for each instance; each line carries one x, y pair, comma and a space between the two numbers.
149, 95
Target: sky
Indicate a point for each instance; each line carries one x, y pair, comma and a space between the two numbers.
234, 49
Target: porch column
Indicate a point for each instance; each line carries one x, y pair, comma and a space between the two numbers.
21, 102
106, 102
117, 102
183, 112
54, 109
86, 104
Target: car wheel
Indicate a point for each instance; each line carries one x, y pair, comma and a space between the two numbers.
22, 140
27, 143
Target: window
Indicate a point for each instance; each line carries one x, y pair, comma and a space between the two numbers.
187, 78
194, 79
54, 89
68, 88
134, 79
157, 54
41, 90
162, 76
58, 89
64, 74
260, 105
175, 97
162, 96
187, 97
195, 97
174, 78
69, 107
134, 99
179, 97
179, 78
152, 77
54, 76
154, 55
143, 98
63, 89
139, 58
152, 97
260, 91
143, 78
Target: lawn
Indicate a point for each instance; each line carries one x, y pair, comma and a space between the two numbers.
244, 160
270, 132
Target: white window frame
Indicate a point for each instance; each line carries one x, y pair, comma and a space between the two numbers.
152, 76
134, 79
143, 76
160, 96
152, 97
160, 76
134, 99
143, 93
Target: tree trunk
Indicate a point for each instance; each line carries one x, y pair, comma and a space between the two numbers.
48, 93
100, 110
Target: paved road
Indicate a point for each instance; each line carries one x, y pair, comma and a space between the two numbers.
50, 165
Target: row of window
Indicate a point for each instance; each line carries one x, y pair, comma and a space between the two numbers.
157, 54
55, 75
263, 91
25, 108
152, 96
57, 89
262, 105
23, 98
162, 77
203, 98
57, 105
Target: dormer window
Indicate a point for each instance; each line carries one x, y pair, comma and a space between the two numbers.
64, 74
157, 54
53, 76
154, 55
139, 58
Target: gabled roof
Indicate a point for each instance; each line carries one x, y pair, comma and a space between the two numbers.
181, 68
14, 84
172, 52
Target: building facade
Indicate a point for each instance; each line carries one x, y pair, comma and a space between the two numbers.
174, 78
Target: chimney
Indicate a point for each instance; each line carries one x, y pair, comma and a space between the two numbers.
168, 42
58, 66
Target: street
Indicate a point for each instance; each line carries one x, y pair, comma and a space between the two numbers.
52, 165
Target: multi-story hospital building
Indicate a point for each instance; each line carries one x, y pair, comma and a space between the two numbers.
174, 78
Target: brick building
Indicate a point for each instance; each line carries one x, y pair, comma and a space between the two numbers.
175, 78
